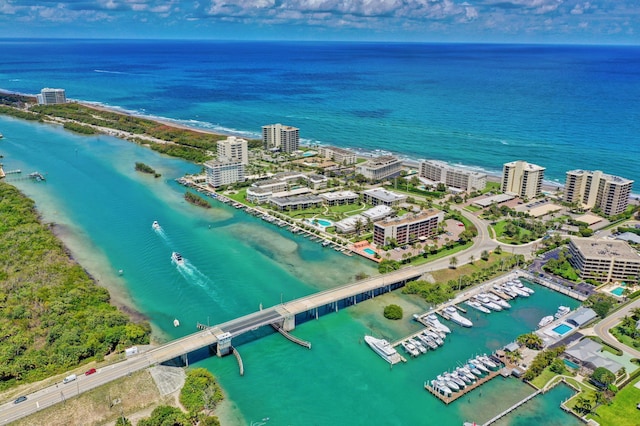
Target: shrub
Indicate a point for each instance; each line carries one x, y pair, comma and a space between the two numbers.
393, 312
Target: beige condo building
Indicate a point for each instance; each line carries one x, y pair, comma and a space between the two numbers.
597, 189
408, 228
278, 136
522, 179
604, 260
456, 177
233, 149
380, 167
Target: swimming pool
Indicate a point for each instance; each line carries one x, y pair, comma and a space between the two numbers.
562, 329
323, 222
571, 364
369, 251
617, 291
320, 222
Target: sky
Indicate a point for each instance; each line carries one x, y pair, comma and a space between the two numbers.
519, 21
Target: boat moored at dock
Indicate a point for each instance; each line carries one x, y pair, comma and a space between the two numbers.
477, 306
562, 311
545, 321
454, 316
384, 349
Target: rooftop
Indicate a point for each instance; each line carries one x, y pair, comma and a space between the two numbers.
526, 166
605, 176
605, 249
384, 195
409, 218
339, 195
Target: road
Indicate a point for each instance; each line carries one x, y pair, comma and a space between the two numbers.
602, 328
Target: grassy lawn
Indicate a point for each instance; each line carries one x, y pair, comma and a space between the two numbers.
499, 230
491, 186
543, 378
623, 338
622, 411
444, 253
444, 275
472, 208
239, 196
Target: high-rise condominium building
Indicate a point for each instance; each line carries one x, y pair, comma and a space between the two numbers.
456, 177
284, 138
224, 173
233, 149
596, 189
49, 96
522, 179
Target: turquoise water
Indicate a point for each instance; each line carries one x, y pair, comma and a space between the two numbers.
562, 329
323, 222
617, 291
369, 251
571, 364
103, 210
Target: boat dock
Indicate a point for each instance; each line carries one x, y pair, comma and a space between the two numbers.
291, 337
455, 395
512, 408
549, 284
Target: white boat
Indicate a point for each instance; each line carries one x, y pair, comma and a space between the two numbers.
383, 348
462, 376
499, 300
457, 380
434, 336
486, 361
435, 322
562, 311
441, 387
507, 290
456, 317
410, 349
450, 383
521, 286
545, 320
155, 225
474, 370
519, 291
488, 303
418, 345
478, 306
177, 258
479, 365
427, 341
176, 323
467, 372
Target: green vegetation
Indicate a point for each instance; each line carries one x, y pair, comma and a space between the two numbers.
141, 167
197, 200
562, 267
188, 153
602, 377
52, 315
530, 340
626, 332
542, 361
621, 411
79, 128
18, 113
387, 265
601, 303
393, 312
165, 415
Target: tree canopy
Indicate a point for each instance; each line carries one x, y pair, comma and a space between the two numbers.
393, 312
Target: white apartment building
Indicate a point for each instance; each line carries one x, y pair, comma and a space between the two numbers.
224, 173
278, 136
408, 228
456, 177
380, 196
233, 149
49, 96
604, 260
380, 168
338, 155
596, 189
522, 179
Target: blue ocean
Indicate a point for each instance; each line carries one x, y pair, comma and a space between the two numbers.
562, 107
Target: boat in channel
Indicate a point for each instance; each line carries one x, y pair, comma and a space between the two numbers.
383, 348
155, 225
177, 258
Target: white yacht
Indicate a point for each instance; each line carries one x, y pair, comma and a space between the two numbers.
545, 321
427, 341
383, 348
434, 336
498, 300
467, 372
418, 345
479, 365
478, 306
456, 317
486, 361
562, 311
519, 284
435, 322
507, 290
441, 387
155, 225
519, 291
488, 303
410, 349
450, 383
177, 258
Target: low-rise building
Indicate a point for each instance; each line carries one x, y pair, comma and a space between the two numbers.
408, 228
349, 224
380, 168
317, 182
603, 260
581, 316
378, 196
587, 354
339, 198
224, 173
338, 155
378, 212
258, 195
456, 177
296, 202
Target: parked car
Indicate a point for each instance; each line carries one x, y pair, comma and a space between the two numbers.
90, 372
20, 399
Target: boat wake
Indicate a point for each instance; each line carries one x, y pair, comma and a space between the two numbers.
193, 275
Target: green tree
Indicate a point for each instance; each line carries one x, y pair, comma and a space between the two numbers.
393, 312
530, 340
484, 255
453, 262
200, 391
557, 366
602, 377
165, 416
123, 421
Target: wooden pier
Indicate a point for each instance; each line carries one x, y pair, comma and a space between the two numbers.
513, 407
291, 337
239, 359
455, 395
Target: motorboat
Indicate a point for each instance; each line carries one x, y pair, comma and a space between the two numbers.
427, 341
434, 336
486, 361
441, 387
435, 322
418, 345
507, 290
461, 376
477, 306
545, 321
499, 300
521, 286
473, 369
449, 383
457, 380
562, 311
177, 258
155, 225
479, 365
519, 291
176, 323
466, 372
383, 348
456, 317
488, 303
410, 349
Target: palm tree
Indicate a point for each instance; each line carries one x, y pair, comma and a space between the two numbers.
453, 262
471, 259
